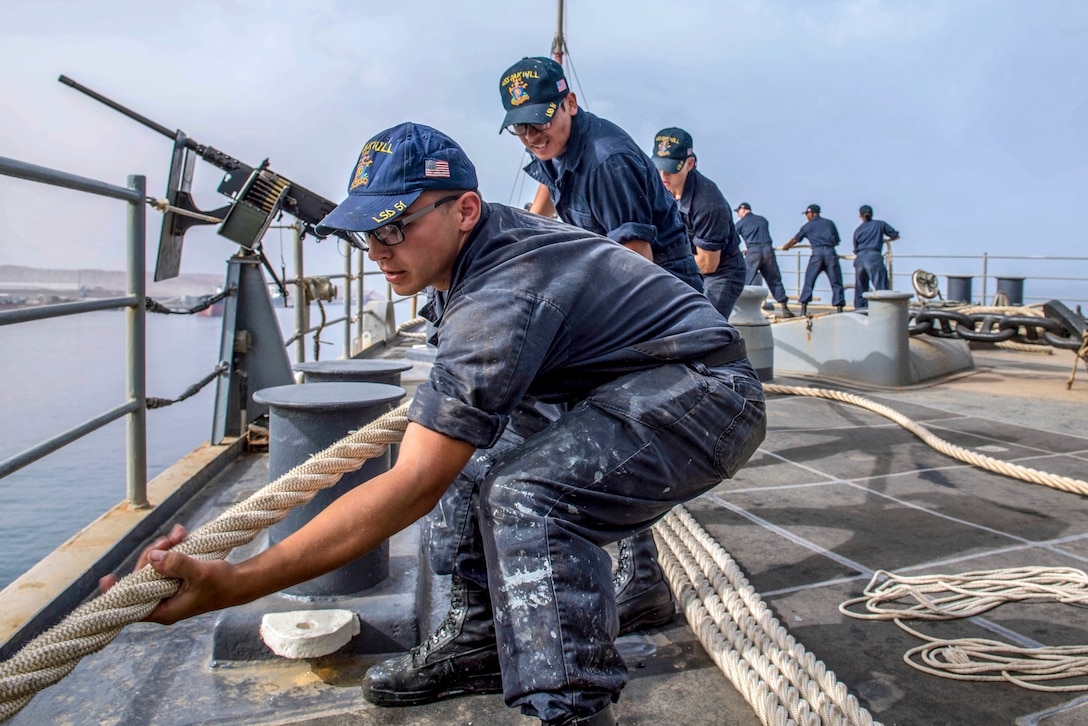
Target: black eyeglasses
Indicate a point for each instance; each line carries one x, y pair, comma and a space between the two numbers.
522, 129
392, 234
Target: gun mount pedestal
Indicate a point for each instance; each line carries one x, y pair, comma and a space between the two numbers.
251, 346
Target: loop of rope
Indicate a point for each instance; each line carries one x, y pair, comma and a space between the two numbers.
890, 596
403, 329
783, 682
1015, 471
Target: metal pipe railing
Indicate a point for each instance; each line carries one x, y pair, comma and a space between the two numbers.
990, 267
135, 406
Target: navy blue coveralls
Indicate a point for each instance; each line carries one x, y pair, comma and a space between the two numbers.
708, 219
653, 415
603, 182
759, 255
823, 236
869, 263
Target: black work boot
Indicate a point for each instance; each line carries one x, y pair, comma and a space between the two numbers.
643, 597
838, 308
460, 658
786, 312
804, 309
604, 717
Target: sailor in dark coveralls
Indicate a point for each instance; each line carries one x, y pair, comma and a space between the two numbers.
823, 235
659, 405
706, 216
759, 254
869, 266
595, 177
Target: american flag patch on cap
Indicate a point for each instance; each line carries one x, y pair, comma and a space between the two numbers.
561, 85
436, 168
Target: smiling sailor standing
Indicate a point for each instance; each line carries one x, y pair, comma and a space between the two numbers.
660, 403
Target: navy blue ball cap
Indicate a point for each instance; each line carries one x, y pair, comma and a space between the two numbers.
672, 148
532, 90
865, 210
743, 205
814, 208
394, 169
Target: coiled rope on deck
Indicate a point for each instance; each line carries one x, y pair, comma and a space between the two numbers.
946, 597
1015, 471
776, 675
53, 654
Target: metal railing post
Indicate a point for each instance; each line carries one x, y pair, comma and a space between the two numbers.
985, 267
361, 304
137, 347
347, 304
302, 305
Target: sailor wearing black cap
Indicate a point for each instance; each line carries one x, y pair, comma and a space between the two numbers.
596, 175
706, 216
759, 254
869, 240
823, 236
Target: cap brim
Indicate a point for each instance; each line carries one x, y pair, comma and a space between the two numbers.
667, 165
366, 212
533, 114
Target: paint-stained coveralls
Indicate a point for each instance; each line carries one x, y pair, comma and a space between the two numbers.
708, 219
658, 409
824, 237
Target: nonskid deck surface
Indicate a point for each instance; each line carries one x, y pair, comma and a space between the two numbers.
835, 493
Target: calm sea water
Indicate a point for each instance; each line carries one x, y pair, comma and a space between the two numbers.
55, 374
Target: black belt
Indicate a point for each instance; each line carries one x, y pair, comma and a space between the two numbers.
726, 354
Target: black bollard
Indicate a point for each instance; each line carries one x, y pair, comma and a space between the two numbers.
353, 370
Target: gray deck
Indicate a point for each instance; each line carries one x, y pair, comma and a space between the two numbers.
835, 493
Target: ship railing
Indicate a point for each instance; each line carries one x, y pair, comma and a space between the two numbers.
1040, 277
354, 299
134, 304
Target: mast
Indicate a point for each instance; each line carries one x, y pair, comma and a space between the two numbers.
559, 44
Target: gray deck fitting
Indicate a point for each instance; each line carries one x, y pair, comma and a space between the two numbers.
874, 348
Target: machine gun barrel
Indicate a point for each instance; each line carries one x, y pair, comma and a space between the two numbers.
118, 107
308, 207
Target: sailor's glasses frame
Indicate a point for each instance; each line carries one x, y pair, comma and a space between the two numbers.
392, 234
522, 129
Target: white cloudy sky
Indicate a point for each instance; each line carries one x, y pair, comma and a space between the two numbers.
963, 123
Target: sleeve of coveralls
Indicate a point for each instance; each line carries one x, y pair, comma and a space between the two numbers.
491, 345
890, 231
620, 201
712, 227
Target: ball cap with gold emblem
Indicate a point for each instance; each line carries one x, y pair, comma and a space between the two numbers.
672, 147
532, 90
393, 169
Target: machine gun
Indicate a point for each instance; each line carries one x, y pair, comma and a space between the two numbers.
257, 194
